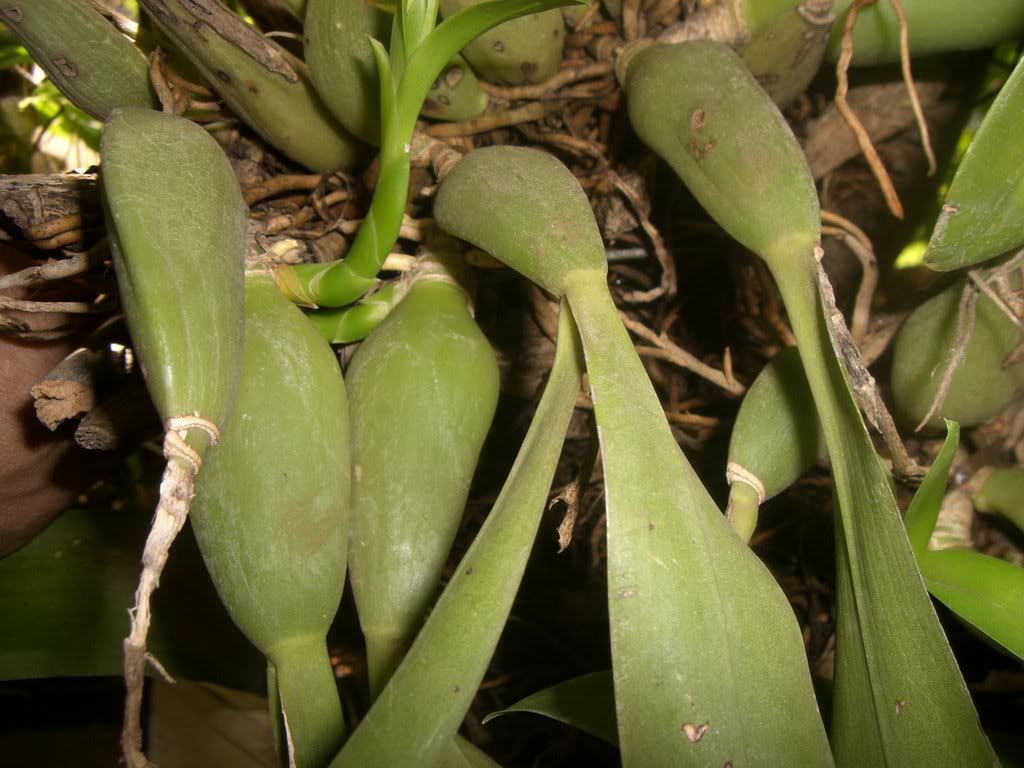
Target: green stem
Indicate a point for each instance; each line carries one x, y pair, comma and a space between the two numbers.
357, 321
314, 727
742, 509
385, 650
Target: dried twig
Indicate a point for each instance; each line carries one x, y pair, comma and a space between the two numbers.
57, 269
67, 307
535, 110
559, 80
665, 349
275, 185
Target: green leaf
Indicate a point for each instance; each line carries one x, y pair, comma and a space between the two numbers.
12, 55
983, 591
414, 718
586, 702
923, 512
983, 214
66, 595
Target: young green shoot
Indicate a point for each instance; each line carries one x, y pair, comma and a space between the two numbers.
403, 90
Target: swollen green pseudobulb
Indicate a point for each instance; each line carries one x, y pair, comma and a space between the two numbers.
934, 26
786, 54
732, 148
177, 228
341, 62
456, 94
983, 214
423, 388
263, 84
87, 58
525, 50
777, 437
443, 669
982, 386
271, 512
708, 663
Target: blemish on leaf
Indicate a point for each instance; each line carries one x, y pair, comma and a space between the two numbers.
650, 526
695, 732
453, 76
13, 14
66, 66
697, 119
469, 570
252, 88
627, 593
699, 151
498, 46
223, 76
900, 706
455, 689
528, 67
357, 472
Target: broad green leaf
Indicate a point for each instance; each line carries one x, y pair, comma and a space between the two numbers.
586, 702
983, 214
64, 600
708, 661
984, 591
899, 698
415, 717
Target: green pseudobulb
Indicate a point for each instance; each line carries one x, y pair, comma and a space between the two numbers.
982, 385
271, 511
177, 228
423, 388
341, 63
91, 63
524, 50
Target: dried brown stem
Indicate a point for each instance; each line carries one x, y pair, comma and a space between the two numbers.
865, 390
68, 307
843, 87
52, 270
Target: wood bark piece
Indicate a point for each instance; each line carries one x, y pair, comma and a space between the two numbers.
73, 387
47, 206
119, 422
